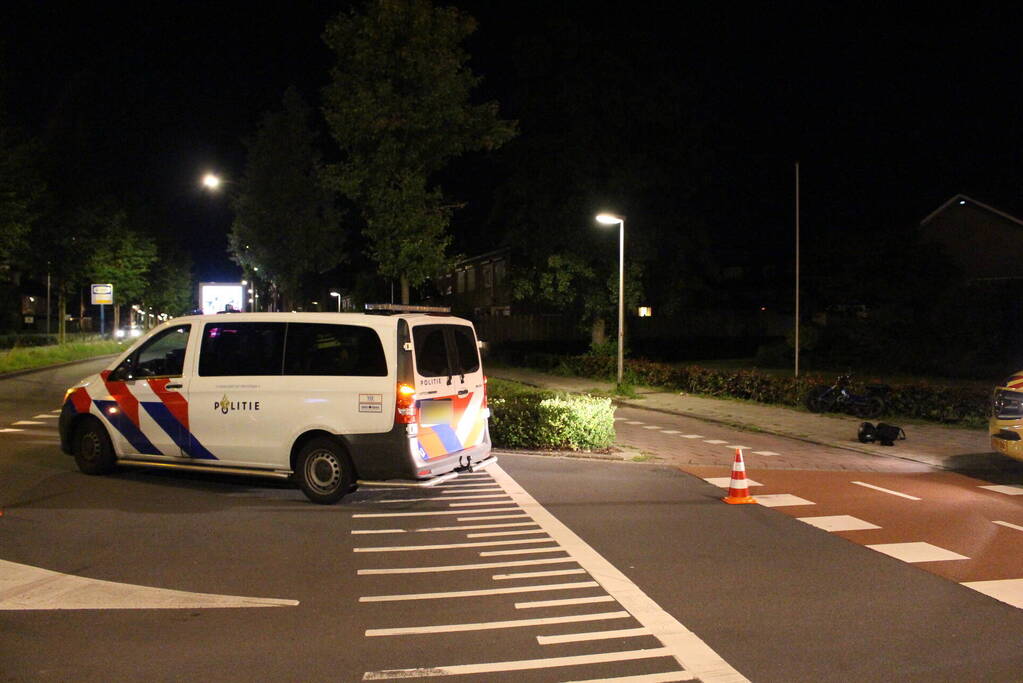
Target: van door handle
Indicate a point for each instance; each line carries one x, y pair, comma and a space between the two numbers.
173, 386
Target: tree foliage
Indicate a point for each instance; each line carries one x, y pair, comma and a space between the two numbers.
286, 222
399, 108
122, 256
21, 189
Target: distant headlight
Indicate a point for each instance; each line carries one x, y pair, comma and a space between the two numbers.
136, 332
119, 334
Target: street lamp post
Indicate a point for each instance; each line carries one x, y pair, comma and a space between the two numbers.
338, 295
611, 219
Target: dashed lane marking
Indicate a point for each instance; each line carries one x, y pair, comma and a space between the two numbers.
465, 567
1011, 526
692, 436
489, 625
765, 453
633, 422
521, 665
593, 635
653, 427
672, 431
1009, 591
775, 500
23, 587
745, 448
477, 593
563, 602
916, 552
1012, 490
714, 441
44, 416
838, 523
10, 429
883, 490
27, 422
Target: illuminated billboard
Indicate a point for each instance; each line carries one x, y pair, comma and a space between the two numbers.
217, 297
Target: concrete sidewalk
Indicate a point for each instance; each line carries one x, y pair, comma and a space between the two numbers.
935, 445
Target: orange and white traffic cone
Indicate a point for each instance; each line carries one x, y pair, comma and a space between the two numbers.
738, 489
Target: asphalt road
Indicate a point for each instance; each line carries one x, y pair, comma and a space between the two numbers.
384, 584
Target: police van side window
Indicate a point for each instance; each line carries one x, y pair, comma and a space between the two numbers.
239, 348
161, 356
335, 350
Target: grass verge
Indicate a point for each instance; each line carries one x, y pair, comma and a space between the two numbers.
31, 357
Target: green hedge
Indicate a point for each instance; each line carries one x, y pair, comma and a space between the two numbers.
920, 400
524, 417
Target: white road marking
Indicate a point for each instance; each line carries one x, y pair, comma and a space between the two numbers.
1011, 526
776, 500
415, 500
461, 527
448, 485
487, 625
672, 431
485, 488
1007, 590
521, 515
878, 488
465, 567
9, 429
765, 453
745, 448
524, 551
478, 593
1013, 490
692, 653
692, 436
45, 416
425, 514
23, 587
633, 422
521, 532
532, 575
450, 546
652, 427
725, 482
714, 441
916, 552
593, 635
27, 422
521, 665
532, 604
666, 677
484, 502
838, 523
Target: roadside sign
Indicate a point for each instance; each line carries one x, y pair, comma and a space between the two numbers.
102, 294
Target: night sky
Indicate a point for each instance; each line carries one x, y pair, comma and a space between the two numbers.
888, 113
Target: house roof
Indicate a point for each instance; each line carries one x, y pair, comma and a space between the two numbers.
963, 199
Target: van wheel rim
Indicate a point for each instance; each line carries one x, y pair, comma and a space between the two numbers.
90, 447
323, 471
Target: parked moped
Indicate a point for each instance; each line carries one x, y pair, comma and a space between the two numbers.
837, 398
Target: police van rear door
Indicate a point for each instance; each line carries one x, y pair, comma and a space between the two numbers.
449, 386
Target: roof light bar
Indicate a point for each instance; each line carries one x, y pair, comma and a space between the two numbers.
406, 308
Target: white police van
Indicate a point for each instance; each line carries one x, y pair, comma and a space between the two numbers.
325, 399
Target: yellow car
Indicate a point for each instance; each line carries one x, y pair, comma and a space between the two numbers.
1006, 423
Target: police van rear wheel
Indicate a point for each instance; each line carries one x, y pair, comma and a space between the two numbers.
93, 452
324, 471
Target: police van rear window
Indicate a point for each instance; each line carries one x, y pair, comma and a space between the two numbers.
443, 350
254, 348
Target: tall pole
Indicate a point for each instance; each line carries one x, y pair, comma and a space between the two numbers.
621, 299
797, 269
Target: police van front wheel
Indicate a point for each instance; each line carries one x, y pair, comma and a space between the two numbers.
92, 449
324, 471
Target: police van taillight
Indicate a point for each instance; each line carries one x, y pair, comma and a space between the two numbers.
405, 404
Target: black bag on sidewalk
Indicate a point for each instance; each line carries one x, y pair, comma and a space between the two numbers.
883, 433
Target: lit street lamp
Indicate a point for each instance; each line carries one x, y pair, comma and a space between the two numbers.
611, 219
211, 181
338, 295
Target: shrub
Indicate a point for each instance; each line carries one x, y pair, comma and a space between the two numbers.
523, 417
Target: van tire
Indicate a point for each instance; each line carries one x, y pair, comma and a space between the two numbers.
324, 472
92, 449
